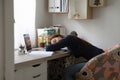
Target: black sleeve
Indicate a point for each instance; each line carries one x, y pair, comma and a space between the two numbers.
61, 44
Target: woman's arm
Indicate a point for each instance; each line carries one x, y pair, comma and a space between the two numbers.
57, 46
65, 42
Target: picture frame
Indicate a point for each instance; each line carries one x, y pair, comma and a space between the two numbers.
97, 3
27, 42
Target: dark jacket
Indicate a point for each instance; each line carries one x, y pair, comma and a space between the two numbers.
77, 47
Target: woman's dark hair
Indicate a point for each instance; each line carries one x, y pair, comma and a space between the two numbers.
74, 33
57, 35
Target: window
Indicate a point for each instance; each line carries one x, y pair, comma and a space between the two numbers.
24, 14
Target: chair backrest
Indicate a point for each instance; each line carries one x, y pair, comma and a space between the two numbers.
105, 66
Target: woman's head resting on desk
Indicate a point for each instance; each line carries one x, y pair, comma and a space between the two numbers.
55, 38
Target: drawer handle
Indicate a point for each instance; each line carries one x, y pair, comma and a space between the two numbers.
36, 65
15, 70
36, 76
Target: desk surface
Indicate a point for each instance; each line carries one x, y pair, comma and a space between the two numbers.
37, 56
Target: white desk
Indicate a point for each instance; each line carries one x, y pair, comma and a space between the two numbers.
33, 66
39, 56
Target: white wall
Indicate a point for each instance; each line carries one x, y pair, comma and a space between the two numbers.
102, 30
6, 40
9, 39
43, 18
1, 41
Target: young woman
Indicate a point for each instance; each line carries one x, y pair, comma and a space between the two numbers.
77, 47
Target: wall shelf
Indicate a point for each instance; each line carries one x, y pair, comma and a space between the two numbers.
97, 3
58, 6
79, 9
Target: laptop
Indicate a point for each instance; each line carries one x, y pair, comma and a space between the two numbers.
28, 44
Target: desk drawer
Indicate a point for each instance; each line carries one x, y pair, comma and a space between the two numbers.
36, 68
32, 72
40, 76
